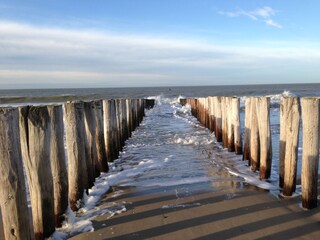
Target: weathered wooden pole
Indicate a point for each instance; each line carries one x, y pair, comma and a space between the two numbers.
218, 119
236, 125
102, 160
150, 103
254, 137
202, 110
292, 141
198, 105
35, 131
192, 104
282, 144
75, 139
310, 151
134, 113
110, 124
212, 121
58, 163
141, 101
230, 125
224, 122
124, 129
183, 102
138, 112
195, 107
108, 110
117, 130
13, 197
90, 141
207, 111
129, 117
246, 147
263, 112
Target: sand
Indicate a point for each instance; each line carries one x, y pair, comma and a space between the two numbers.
204, 212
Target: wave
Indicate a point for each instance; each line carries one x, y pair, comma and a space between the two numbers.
161, 99
274, 98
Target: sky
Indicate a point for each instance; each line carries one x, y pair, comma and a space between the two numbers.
135, 43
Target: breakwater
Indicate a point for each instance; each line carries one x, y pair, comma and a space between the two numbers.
221, 115
63, 148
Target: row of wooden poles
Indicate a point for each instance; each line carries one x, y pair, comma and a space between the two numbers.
222, 116
33, 136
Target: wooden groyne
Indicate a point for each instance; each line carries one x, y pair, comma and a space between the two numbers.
221, 115
33, 137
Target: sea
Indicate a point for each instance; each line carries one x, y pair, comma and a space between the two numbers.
12, 96
170, 148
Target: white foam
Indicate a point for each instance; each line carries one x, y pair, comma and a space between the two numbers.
274, 98
192, 140
169, 183
161, 99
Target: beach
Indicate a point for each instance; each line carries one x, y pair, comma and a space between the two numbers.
203, 213
173, 180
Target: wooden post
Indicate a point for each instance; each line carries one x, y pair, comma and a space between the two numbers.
106, 106
254, 137
246, 148
292, 141
211, 114
218, 119
236, 125
192, 102
129, 117
224, 122
102, 160
207, 112
35, 131
183, 102
13, 197
117, 130
282, 144
110, 125
90, 141
124, 129
134, 113
200, 110
230, 125
310, 151
77, 166
142, 104
196, 109
58, 163
150, 103
204, 111
263, 112
137, 111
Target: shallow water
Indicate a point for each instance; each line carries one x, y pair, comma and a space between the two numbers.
170, 148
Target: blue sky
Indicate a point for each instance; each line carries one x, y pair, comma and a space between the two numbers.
120, 43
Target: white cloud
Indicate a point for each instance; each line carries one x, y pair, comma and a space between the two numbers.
272, 23
265, 12
40, 56
260, 14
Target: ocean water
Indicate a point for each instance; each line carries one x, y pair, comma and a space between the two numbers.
60, 95
170, 148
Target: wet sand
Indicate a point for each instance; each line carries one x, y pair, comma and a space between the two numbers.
200, 211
